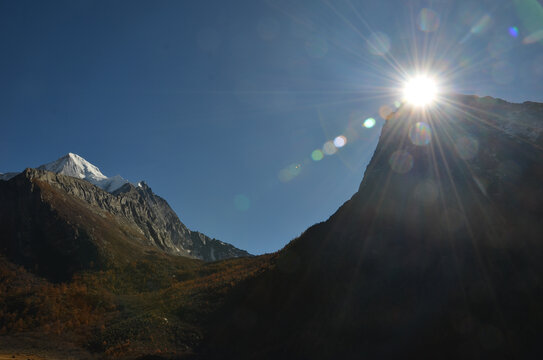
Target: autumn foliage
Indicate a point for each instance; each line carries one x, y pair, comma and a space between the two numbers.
156, 305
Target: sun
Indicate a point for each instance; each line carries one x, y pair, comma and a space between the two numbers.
420, 90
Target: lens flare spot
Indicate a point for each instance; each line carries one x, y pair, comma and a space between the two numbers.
428, 20
340, 141
295, 169
513, 31
401, 161
369, 123
385, 111
466, 147
420, 134
284, 176
242, 202
317, 155
290, 172
378, 43
329, 148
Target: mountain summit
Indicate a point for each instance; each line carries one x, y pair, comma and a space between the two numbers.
75, 166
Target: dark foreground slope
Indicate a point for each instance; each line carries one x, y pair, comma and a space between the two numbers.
438, 255
155, 306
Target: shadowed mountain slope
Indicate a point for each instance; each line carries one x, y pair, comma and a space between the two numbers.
57, 225
438, 255
56, 234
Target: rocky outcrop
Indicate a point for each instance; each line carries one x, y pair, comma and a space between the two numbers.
159, 222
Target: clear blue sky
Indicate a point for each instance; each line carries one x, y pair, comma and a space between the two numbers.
219, 105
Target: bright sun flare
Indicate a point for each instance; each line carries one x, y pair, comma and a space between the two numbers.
420, 90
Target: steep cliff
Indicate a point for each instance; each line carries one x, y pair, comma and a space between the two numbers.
159, 222
438, 255
55, 234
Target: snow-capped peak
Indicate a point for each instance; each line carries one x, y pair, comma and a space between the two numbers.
75, 166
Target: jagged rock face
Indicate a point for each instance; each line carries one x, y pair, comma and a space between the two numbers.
159, 222
56, 235
438, 255
46, 213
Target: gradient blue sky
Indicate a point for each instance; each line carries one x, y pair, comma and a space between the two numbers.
208, 101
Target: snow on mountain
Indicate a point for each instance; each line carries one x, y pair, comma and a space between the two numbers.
114, 183
75, 166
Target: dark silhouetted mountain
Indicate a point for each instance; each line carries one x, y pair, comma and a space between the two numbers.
438, 255
58, 224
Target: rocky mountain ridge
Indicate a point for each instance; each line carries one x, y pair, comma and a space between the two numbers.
150, 219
